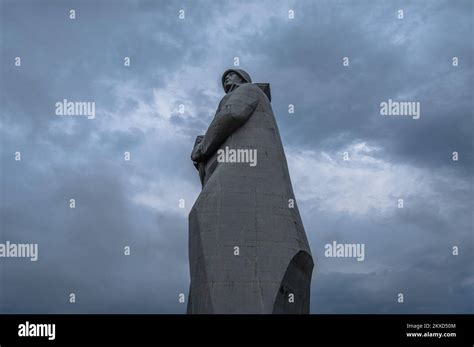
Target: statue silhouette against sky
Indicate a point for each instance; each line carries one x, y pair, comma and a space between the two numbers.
248, 250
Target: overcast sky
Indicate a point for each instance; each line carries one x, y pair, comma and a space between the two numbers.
180, 61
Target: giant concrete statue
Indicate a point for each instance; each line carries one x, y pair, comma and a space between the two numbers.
248, 250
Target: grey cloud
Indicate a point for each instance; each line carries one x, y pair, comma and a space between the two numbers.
81, 250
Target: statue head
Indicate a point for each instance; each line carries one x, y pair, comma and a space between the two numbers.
234, 77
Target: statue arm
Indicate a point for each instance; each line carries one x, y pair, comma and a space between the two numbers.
232, 115
196, 143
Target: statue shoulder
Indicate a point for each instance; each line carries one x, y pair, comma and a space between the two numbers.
250, 89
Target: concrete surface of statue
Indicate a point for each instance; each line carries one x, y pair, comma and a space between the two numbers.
248, 251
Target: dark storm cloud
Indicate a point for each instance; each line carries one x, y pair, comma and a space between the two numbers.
134, 204
81, 250
377, 292
409, 59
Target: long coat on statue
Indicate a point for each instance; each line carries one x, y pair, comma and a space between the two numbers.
248, 250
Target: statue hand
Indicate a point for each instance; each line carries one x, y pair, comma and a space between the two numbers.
198, 140
196, 153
